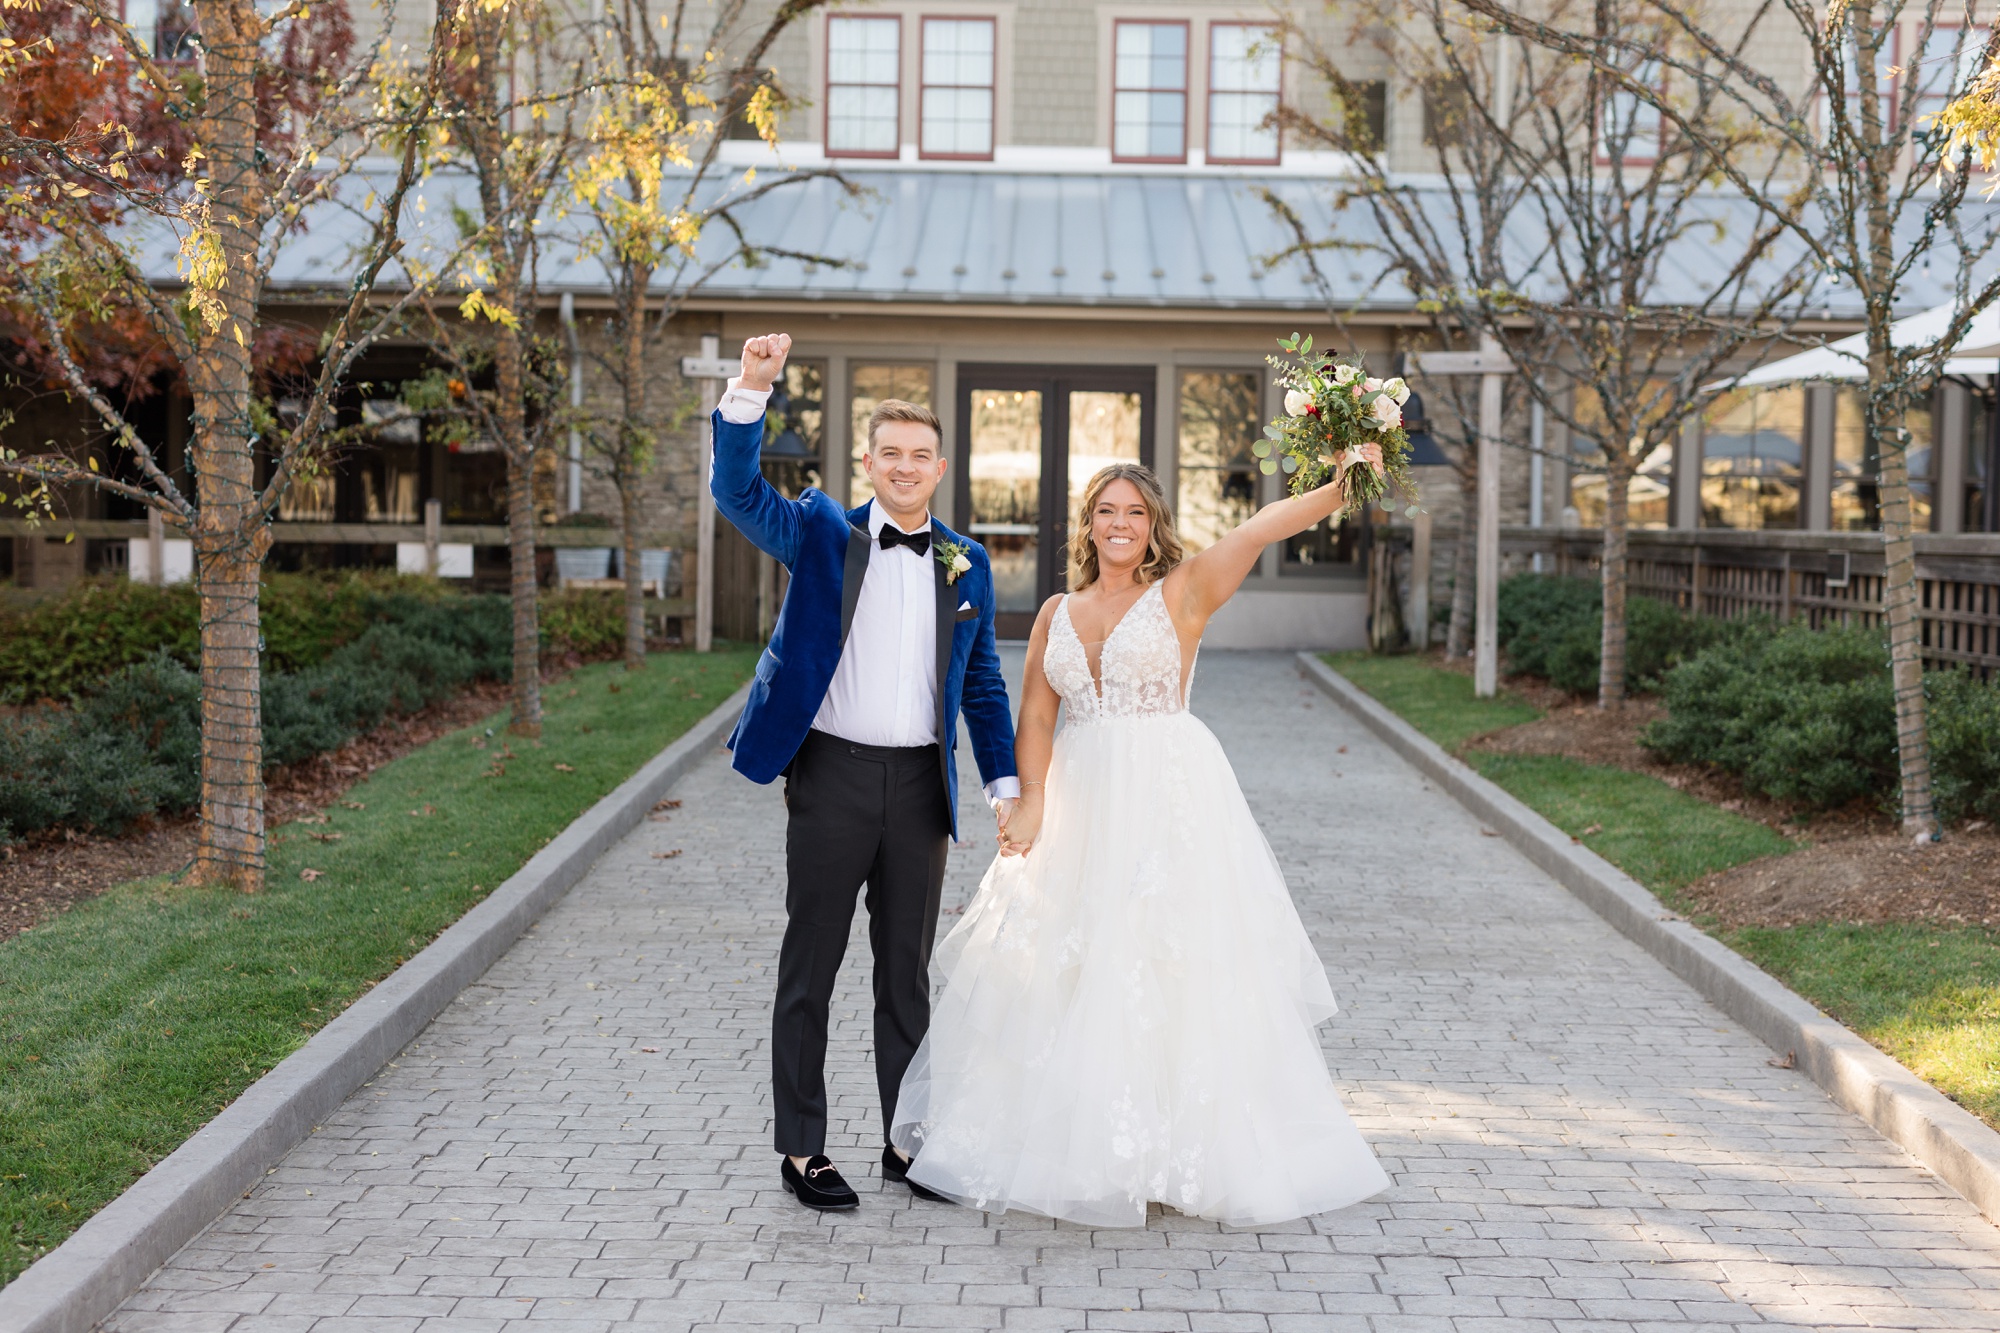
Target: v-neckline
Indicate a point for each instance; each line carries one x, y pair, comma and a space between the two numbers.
1097, 676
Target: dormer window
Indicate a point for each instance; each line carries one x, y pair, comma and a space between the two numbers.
863, 85
1149, 92
957, 97
1245, 63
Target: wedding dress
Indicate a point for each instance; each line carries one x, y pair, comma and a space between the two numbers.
1128, 1012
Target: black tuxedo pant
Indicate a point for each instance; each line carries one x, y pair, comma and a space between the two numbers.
859, 814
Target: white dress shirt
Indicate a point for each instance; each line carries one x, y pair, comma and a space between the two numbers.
885, 688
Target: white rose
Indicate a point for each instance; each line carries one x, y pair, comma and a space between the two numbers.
1397, 390
1371, 385
1296, 402
1346, 374
1388, 414
960, 563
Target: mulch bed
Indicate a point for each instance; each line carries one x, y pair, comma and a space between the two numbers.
52, 873
1856, 867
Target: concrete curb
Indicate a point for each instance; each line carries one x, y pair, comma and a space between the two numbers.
1938, 1132
89, 1275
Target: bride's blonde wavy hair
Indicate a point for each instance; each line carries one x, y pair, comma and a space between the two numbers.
1163, 544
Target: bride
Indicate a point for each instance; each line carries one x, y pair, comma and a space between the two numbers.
1130, 1001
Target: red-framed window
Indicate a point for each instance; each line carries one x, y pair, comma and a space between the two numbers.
1629, 127
1246, 63
1949, 62
1149, 81
864, 84
955, 93
1887, 83
164, 27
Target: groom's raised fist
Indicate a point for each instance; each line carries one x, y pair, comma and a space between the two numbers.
764, 359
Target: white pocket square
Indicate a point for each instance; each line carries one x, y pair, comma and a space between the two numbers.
965, 606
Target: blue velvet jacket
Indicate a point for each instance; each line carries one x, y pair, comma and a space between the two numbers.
826, 551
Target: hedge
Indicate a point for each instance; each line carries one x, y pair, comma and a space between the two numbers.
1553, 627
1809, 715
66, 646
364, 649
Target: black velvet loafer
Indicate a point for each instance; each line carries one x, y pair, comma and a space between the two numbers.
896, 1169
819, 1185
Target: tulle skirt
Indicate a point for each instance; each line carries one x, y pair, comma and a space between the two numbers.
1128, 1012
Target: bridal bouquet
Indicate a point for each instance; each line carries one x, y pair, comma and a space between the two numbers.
1331, 410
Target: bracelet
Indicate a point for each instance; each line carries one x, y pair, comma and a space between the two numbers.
1026, 785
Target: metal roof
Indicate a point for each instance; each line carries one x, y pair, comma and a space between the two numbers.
1194, 240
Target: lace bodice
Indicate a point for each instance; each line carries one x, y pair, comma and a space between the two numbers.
1140, 664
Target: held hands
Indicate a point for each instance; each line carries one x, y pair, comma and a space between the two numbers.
1020, 826
764, 359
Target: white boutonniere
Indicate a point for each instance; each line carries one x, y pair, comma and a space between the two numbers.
956, 558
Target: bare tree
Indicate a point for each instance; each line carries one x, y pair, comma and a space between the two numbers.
656, 192
1562, 220
516, 77
221, 141
1858, 181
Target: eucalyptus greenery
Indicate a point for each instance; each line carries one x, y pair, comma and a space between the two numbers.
1331, 409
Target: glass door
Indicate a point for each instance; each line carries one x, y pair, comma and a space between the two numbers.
1030, 439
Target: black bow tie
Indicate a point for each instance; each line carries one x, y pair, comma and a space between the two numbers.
893, 536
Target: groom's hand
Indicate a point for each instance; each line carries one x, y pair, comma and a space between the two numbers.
764, 359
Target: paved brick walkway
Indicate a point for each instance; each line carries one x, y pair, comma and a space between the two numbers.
1578, 1142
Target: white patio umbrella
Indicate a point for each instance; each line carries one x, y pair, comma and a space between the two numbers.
1975, 354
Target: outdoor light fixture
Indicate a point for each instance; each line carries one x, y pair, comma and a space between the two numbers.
1424, 451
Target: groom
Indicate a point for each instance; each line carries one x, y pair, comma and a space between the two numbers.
885, 635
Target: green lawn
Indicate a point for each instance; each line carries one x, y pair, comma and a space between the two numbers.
1930, 997
1663, 838
129, 1021
1436, 702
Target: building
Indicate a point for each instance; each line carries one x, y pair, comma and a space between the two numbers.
1066, 247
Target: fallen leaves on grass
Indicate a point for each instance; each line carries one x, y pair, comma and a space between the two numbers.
327, 837
309, 874
564, 768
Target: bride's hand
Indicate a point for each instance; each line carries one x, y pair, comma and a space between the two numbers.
1023, 825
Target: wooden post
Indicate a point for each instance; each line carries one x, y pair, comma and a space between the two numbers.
1486, 609
1420, 580
1694, 582
1490, 363
433, 530
710, 370
156, 547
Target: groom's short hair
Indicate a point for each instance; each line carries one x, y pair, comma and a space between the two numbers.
895, 409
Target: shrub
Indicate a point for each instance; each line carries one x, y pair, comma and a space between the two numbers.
355, 650
1554, 628
1964, 722
1536, 612
1809, 715
54, 648
65, 647
129, 751
584, 621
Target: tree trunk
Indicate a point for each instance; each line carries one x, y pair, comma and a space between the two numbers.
1617, 519
635, 588
1906, 663
1458, 638
511, 409
629, 468
230, 534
